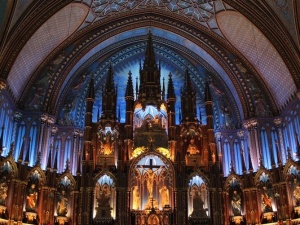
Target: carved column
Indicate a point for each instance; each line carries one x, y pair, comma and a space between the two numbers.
253, 142
278, 122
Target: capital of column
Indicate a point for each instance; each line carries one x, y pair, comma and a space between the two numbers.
218, 136
278, 121
241, 134
17, 115
2, 85
54, 129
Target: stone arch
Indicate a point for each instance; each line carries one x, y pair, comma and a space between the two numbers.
198, 195
234, 195
104, 195
153, 176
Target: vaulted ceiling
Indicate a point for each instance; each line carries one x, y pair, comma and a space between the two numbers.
247, 50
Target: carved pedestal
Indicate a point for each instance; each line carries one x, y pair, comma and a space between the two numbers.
2, 210
237, 219
269, 216
31, 217
61, 220
103, 212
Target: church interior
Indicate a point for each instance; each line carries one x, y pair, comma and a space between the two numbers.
149, 112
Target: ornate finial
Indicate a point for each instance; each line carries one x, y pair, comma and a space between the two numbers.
67, 170
151, 141
11, 149
289, 154
38, 160
232, 170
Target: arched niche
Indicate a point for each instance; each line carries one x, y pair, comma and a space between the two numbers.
198, 199
234, 190
35, 180
151, 182
264, 185
292, 176
105, 196
8, 171
66, 184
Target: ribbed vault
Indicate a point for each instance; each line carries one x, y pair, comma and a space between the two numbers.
204, 42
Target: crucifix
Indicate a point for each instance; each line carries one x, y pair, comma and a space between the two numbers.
151, 175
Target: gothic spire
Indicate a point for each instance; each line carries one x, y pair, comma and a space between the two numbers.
244, 169
273, 164
38, 159
78, 165
207, 94
27, 153
170, 91
187, 81
49, 158
21, 155
109, 96
149, 92
129, 86
149, 55
250, 161
110, 83
188, 100
91, 90
55, 159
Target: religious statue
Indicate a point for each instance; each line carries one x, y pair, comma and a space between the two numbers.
198, 206
164, 192
3, 193
150, 180
228, 123
296, 194
192, 148
105, 195
236, 203
62, 204
31, 198
266, 200
136, 198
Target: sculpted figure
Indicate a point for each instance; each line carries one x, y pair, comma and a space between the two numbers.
164, 192
236, 203
62, 204
266, 200
31, 198
3, 193
136, 198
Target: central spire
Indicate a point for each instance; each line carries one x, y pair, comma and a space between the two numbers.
149, 54
150, 89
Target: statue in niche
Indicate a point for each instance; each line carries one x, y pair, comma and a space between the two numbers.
198, 205
105, 196
260, 108
296, 192
192, 148
136, 198
150, 175
31, 198
164, 193
236, 203
107, 145
266, 200
62, 204
226, 113
3, 193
